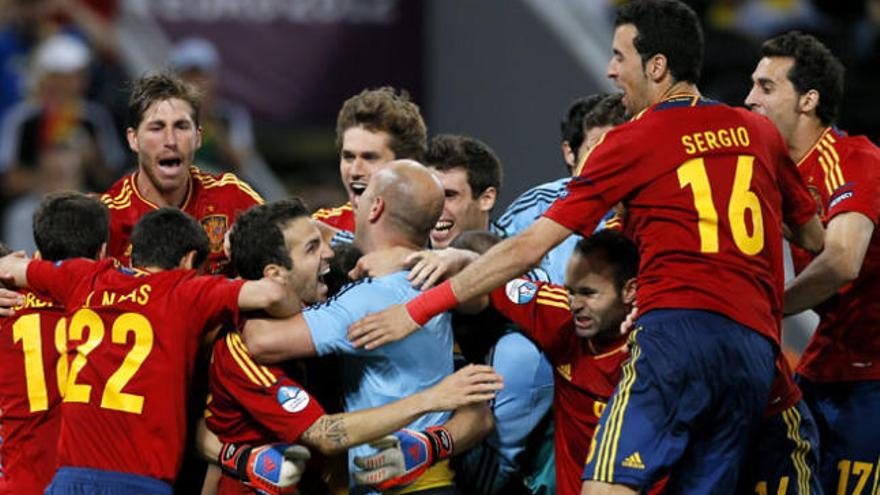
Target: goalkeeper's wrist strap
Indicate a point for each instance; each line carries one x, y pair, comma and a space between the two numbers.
233, 459
431, 303
441, 442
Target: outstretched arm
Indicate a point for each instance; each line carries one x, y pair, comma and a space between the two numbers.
506, 260
334, 433
273, 341
269, 296
846, 242
13, 268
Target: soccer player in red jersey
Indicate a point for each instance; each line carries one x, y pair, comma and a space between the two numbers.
254, 404
702, 183
798, 84
165, 135
373, 128
66, 225
134, 334
578, 328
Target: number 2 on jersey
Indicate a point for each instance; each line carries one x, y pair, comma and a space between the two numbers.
692, 173
113, 397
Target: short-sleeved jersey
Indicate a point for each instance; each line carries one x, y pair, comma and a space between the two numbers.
702, 183
377, 377
254, 404
213, 200
31, 343
133, 339
843, 173
530, 206
585, 375
341, 217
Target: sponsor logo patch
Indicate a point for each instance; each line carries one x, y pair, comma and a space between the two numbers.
293, 399
520, 291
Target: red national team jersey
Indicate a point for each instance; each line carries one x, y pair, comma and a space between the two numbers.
30, 345
133, 338
254, 404
212, 200
702, 185
341, 217
585, 374
843, 173
784, 392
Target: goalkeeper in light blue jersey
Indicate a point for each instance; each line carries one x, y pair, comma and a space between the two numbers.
586, 122
398, 210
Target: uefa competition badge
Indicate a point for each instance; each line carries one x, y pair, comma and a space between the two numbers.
292, 399
521, 291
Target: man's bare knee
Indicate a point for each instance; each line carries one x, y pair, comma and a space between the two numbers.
600, 488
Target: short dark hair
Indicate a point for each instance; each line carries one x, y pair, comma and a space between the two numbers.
257, 237
4, 250
70, 224
478, 241
158, 87
162, 237
571, 126
389, 110
610, 111
617, 250
815, 67
670, 28
449, 151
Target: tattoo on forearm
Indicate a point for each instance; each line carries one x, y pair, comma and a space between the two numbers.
330, 428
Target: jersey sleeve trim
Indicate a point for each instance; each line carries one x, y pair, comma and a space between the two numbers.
122, 199
324, 213
553, 296
229, 179
259, 375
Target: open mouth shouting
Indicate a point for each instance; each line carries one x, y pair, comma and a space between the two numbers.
441, 234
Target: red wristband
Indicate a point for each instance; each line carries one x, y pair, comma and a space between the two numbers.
431, 303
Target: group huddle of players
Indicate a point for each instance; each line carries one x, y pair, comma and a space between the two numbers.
615, 331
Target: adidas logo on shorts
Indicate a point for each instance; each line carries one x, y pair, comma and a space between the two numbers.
634, 461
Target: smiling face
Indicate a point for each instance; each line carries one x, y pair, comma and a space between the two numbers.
773, 94
626, 70
363, 153
165, 142
461, 211
596, 303
311, 259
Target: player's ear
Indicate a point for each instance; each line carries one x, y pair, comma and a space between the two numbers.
274, 272
809, 101
487, 198
657, 67
131, 136
628, 293
188, 261
377, 207
568, 154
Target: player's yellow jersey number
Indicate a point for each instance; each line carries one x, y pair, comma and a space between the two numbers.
26, 330
124, 325
692, 173
861, 471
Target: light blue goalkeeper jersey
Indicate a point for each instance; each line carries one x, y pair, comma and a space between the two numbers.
530, 206
393, 371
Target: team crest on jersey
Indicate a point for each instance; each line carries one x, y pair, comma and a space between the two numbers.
215, 226
520, 291
292, 399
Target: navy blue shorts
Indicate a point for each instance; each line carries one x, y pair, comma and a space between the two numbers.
848, 417
783, 457
83, 481
690, 394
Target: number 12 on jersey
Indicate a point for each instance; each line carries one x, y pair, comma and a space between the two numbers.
692, 173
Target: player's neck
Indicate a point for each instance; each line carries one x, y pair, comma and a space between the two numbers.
806, 133
151, 193
676, 89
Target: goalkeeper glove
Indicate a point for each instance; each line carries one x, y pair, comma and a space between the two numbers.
403, 457
272, 469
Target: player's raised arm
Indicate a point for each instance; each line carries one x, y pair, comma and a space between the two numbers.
276, 340
508, 259
334, 433
13, 268
270, 296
